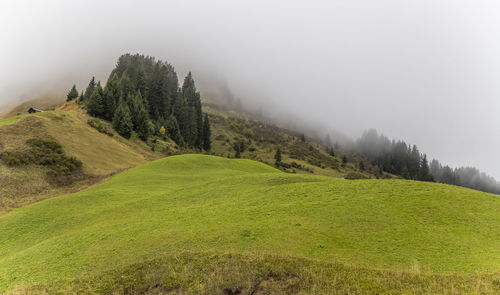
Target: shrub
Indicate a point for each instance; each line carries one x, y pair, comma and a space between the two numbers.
11, 159
248, 133
99, 126
355, 175
48, 153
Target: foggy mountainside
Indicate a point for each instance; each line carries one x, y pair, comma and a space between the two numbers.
140, 89
399, 158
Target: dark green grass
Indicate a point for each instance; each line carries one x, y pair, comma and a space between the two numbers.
205, 204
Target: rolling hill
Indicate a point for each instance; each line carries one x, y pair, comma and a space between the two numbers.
205, 224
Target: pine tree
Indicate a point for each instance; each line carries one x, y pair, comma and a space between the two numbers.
344, 161
194, 126
277, 157
140, 118
414, 163
181, 115
89, 90
122, 121
173, 130
126, 86
303, 137
405, 172
331, 152
425, 174
141, 82
361, 166
95, 106
72, 94
111, 97
207, 144
237, 150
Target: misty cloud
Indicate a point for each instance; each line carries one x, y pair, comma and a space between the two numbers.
423, 71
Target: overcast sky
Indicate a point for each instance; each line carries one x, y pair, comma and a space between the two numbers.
424, 71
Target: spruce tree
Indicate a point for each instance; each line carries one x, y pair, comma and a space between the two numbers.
405, 172
140, 118
425, 174
111, 97
72, 94
193, 132
122, 121
173, 130
207, 144
302, 137
141, 82
331, 152
361, 166
95, 106
89, 90
344, 161
277, 157
237, 150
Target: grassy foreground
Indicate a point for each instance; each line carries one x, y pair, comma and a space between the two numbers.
195, 223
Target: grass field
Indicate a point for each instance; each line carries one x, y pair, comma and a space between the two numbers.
191, 223
11, 120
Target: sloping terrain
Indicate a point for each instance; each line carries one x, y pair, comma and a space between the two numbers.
195, 223
101, 155
104, 155
45, 102
261, 140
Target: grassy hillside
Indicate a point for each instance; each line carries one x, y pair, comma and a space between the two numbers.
196, 223
262, 139
101, 155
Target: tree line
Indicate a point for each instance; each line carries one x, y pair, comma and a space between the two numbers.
142, 95
464, 176
399, 158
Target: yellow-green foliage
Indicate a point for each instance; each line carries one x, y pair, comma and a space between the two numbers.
202, 224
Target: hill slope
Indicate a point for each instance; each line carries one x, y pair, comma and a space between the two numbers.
103, 155
192, 222
100, 154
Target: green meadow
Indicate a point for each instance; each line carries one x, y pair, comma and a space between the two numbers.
205, 224
11, 120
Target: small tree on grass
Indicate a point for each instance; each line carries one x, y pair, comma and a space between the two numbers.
361, 166
344, 161
72, 94
237, 150
277, 157
162, 131
302, 137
